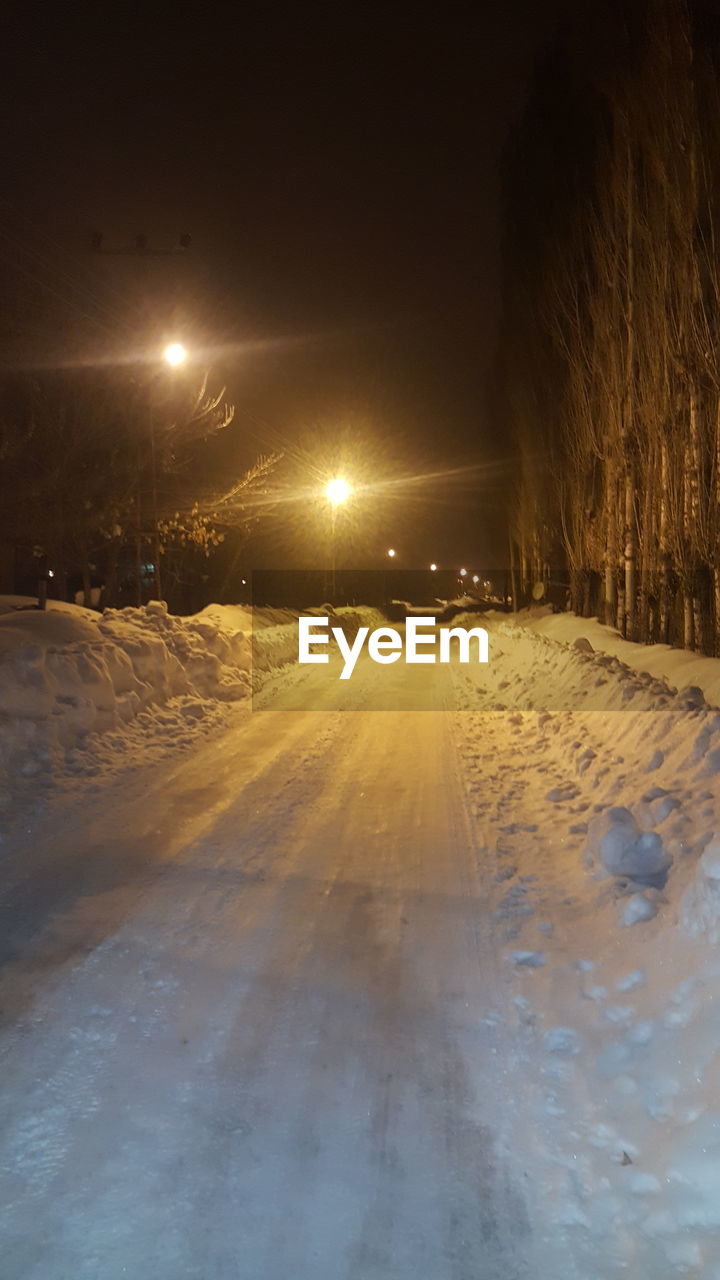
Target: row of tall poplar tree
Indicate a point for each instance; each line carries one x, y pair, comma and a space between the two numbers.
610, 360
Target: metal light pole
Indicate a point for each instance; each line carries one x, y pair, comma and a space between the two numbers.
174, 355
333, 556
337, 492
156, 527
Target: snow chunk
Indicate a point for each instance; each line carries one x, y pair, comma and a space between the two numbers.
631, 980
528, 959
700, 905
692, 695
624, 850
641, 1033
562, 1040
637, 909
620, 1013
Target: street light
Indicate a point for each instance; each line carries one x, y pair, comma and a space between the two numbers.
391, 552
463, 573
433, 568
475, 579
337, 491
175, 354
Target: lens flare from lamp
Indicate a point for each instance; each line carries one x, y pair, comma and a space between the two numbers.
337, 491
175, 354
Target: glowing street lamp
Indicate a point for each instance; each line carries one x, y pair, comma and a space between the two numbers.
337, 491
391, 552
475, 579
175, 354
463, 573
433, 567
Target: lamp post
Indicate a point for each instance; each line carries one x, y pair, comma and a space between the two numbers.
174, 355
337, 492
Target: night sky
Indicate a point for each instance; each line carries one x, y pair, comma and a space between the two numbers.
337, 169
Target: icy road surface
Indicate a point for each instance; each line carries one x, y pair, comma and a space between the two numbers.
250, 1016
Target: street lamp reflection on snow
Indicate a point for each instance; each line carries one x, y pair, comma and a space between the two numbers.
175, 354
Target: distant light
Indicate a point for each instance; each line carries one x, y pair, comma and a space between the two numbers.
175, 353
463, 573
51, 573
391, 552
243, 582
433, 567
475, 579
338, 491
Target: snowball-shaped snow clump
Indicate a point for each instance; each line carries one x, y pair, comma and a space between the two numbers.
638, 908
624, 850
562, 1040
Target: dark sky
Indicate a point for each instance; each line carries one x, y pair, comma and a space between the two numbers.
336, 167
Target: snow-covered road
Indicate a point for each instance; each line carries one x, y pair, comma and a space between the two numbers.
245, 1029
360, 995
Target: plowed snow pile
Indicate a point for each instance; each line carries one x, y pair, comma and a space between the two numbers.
601, 828
83, 694
77, 689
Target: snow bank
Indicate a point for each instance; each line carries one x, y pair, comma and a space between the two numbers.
77, 687
67, 674
11, 604
602, 829
678, 667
